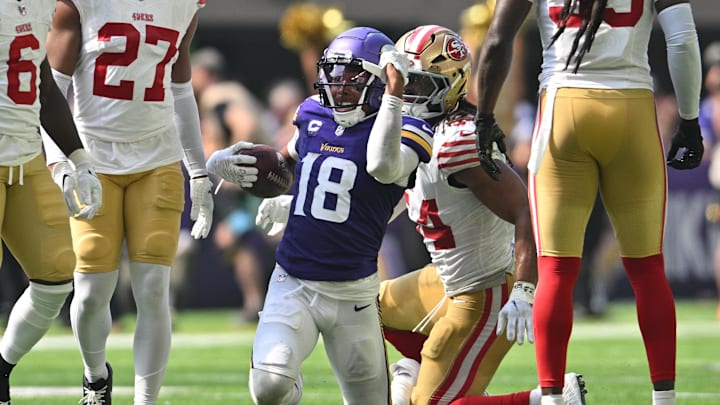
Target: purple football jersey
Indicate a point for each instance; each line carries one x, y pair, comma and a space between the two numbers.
339, 212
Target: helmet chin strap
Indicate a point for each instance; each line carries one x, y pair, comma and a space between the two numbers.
349, 118
416, 110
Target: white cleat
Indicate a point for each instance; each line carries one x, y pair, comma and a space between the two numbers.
405, 374
574, 390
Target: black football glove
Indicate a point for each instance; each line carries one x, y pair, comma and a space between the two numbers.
688, 137
488, 132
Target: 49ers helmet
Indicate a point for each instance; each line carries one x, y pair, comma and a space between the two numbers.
439, 70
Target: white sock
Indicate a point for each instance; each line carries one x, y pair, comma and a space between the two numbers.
31, 317
151, 345
91, 320
535, 396
664, 397
555, 399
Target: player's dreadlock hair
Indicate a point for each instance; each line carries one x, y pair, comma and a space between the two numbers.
591, 13
465, 111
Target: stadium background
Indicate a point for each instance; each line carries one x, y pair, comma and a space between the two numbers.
246, 32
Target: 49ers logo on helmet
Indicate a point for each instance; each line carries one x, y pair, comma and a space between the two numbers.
456, 49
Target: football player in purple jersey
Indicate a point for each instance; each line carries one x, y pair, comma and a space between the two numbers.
355, 154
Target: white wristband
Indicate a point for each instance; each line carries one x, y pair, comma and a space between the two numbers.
59, 171
80, 159
524, 291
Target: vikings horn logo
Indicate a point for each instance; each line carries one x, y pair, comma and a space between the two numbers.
455, 49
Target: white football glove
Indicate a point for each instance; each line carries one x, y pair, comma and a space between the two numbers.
517, 313
64, 176
225, 163
201, 210
391, 56
273, 214
80, 185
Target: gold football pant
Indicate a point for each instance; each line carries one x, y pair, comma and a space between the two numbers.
35, 222
144, 209
462, 351
604, 140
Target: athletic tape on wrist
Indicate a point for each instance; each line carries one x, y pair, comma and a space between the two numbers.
523, 290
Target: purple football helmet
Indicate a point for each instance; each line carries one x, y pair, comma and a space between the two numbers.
351, 61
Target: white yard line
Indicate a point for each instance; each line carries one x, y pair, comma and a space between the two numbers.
49, 392
180, 340
127, 392
594, 331
609, 331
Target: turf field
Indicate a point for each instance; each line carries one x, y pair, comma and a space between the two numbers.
209, 363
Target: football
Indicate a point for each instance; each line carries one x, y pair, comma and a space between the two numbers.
274, 175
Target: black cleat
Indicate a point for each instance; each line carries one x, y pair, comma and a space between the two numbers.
98, 392
5, 369
4, 389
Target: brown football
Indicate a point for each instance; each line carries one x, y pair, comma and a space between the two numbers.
274, 175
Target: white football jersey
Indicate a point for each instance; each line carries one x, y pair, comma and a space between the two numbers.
471, 246
619, 45
23, 29
122, 80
